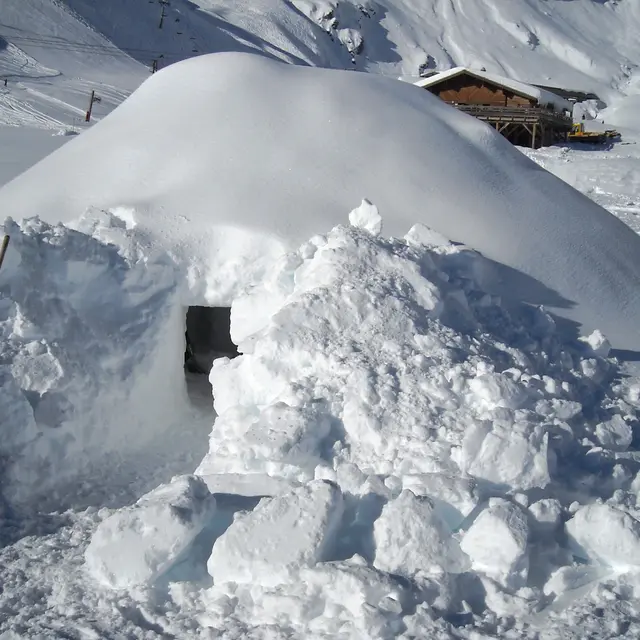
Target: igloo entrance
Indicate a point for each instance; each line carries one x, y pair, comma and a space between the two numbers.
207, 337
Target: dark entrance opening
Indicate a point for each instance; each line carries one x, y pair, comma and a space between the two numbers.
208, 336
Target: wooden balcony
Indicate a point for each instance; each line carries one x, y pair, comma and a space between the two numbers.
525, 126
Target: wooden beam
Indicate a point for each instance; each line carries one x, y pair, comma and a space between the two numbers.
533, 135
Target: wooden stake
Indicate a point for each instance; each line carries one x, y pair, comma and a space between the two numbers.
3, 249
94, 98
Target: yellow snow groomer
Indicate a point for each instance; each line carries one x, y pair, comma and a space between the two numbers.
578, 134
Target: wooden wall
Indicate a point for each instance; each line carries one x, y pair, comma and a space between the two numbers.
465, 89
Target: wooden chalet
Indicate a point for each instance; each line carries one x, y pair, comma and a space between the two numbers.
527, 116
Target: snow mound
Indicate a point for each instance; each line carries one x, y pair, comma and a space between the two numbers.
419, 372
268, 154
137, 544
282, 535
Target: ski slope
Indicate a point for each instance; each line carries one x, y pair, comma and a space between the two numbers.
54, 53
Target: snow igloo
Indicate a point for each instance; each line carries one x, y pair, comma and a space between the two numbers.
200, 187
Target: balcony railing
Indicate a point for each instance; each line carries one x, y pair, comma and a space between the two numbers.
515, 114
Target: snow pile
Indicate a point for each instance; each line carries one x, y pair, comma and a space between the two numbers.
391, 376
408, 443
269, 154
382, 366
399, 421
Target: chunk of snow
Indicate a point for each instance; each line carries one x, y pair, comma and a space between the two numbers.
615, 433
546, 514
492, 390
511, 454
281, 536
598, 343
412, 539
569, 579
366, 217
603, 534
137, 544
246, 484
453, 498
422, 235
496, 543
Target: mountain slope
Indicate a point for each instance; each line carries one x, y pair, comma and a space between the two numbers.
56, 51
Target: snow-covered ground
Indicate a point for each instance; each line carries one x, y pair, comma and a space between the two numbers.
413, 443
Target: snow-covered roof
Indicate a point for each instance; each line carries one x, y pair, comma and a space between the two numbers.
529, 91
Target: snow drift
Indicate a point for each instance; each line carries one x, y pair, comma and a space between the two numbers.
226, 161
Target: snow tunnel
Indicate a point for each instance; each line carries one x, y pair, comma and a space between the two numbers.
207, 337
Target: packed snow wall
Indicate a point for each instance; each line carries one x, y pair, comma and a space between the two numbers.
91, 358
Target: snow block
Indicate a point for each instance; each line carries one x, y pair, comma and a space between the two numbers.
570, 578
606, 535
597, 343
366, 217
453, 498
615, 434
137, 544
282, 535
496, 542
546, 515
411, 538
512, 455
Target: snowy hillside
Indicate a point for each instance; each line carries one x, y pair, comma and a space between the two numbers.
54, 52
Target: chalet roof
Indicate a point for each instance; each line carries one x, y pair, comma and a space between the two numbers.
542, 96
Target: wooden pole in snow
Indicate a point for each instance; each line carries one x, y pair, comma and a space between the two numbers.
94, 98
3, 249
87, 117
